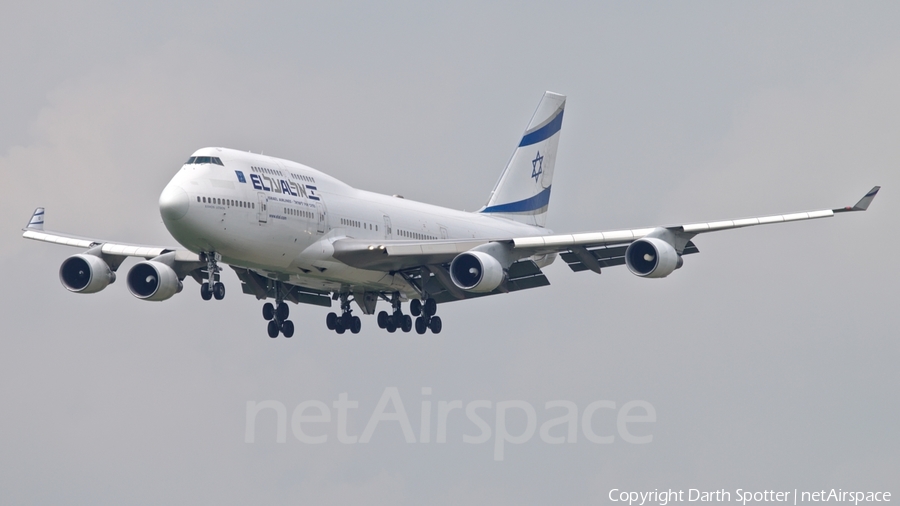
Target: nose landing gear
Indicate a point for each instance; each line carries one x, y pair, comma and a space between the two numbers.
213, 287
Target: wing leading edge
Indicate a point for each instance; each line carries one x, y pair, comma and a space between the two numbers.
35, 231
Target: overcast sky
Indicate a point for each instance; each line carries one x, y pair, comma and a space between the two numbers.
770, 358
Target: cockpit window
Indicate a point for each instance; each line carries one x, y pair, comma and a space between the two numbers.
205, 159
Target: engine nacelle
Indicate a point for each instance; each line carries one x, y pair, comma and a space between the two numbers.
151, 280
476, 271
652, 258
85, 274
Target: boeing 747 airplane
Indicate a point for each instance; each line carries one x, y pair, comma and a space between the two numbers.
294, 234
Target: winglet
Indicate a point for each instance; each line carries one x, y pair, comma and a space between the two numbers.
37, 220
863, 203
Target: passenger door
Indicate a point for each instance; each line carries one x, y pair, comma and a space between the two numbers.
388, 233
320, 210
262, 210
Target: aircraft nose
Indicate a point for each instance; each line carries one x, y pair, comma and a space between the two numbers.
173, 202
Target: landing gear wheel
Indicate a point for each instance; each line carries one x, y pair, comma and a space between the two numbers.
406, 323
205, 292
435, 324
281, 313
273, 329
331, 321
430, 307
421, 325
391, 326
415, 307
268, 311
287, 328
339, 327
356, 325
219, 291
383, 318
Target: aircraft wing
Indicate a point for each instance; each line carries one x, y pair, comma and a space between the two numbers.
582, 251
578, 249
114, 252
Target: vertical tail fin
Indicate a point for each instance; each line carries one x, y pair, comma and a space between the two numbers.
523, 191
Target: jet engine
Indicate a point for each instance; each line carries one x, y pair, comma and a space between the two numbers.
652, 258
85, 274
476, 271
151, 280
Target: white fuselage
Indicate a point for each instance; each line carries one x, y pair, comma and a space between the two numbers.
282, 219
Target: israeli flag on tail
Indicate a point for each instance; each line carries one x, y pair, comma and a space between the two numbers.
523, 191
37, 220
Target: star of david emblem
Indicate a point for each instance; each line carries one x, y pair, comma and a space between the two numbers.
537, 166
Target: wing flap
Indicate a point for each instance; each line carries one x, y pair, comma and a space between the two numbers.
391, 255
609, 256
51, 237
522, 275
260, 287
133, 251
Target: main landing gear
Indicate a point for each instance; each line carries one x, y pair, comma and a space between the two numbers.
346, 321
397, 320
213, 287
425, 312
277, 316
